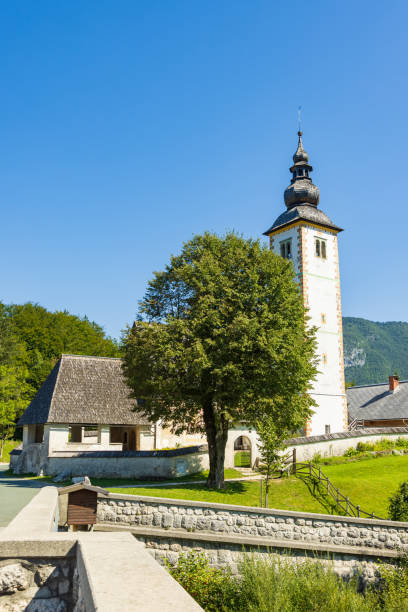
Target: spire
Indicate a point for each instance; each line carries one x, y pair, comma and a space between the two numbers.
301, 190
300, 155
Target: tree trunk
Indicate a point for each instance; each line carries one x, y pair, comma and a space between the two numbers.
216, 426
1, 447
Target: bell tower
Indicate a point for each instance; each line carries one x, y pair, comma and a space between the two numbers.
305, 235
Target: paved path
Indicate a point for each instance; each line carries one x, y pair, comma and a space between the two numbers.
15, 493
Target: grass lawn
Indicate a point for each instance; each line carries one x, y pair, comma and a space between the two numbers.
107, 483
289, 494
8, 447
242, 459
368, 483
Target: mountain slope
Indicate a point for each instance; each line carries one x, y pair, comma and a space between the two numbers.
373, 351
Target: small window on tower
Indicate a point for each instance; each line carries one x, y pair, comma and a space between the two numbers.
286, 249
320, 248
324, 359
323, 317
327, 429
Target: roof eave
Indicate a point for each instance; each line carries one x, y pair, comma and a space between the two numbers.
273, 229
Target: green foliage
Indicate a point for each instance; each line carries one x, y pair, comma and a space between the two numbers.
398, 507
31, 341
225, 341
394, 592
364, 446
350, 452
277, 585
317, 458
213, 589
46, 335
384, 349
8, 446
270, 448
271, 585
13, 397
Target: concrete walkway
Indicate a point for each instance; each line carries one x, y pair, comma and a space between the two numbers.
15, 493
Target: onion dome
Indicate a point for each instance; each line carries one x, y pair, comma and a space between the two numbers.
301, 189
301, 197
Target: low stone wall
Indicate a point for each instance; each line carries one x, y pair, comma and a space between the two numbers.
160, 464
336, 444
168, 527
223, 554
280, 525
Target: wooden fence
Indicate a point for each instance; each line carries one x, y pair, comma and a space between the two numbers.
314, 475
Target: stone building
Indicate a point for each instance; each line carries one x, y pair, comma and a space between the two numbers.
305, 235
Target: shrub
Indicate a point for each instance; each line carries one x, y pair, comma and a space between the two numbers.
272, 584
384, 444
398, 506
363, 447
215, 590
394, 592
317, 458
401, 443
282, 586
350, 452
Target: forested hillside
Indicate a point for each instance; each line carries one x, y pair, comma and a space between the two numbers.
373, 351
31, 341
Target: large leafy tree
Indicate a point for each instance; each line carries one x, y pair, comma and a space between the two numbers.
32, 339
221, 338
46, 335
14, 392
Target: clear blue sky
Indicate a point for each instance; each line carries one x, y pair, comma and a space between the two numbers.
128, 126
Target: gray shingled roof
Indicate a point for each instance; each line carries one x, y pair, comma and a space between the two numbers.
303, 212
373, 402
84, 390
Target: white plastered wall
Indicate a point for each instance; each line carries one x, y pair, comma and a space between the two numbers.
167, 439
319, 279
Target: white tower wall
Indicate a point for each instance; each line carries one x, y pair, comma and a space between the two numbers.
320, 283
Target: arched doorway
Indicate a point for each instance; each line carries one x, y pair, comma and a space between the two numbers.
242, 452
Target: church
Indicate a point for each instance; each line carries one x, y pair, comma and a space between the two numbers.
82, 418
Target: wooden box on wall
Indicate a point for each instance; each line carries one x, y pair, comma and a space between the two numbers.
82, 506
